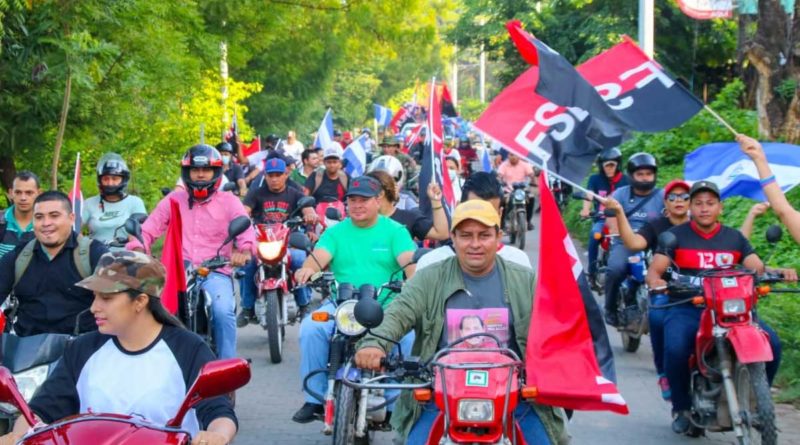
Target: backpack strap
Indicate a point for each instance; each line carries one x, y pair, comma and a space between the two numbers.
23, 261
317, 181
81, 257
343, 179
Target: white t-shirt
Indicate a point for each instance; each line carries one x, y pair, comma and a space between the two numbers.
294, 149
104, 220
508, 253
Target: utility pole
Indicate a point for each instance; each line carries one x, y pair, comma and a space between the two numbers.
223, 72
646, 19
483, 75
454, 92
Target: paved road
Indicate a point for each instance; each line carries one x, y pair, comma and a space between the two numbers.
266, 405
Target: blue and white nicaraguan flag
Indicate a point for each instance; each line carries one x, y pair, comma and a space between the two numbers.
383, 115
325, 132
735, 174
356, 156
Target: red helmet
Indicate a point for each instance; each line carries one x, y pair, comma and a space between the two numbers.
201, 156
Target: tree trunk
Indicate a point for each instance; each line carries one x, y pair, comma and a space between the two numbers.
62, 125
771, 53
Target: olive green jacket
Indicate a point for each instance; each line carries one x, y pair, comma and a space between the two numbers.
421, 307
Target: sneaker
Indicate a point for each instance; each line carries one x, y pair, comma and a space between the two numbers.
245, 317
681, 422
309, 412
612, 319
663, 383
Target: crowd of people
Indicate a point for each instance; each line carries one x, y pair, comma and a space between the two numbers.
112, 293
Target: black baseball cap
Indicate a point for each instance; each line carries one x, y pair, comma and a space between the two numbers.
704, 186
364, 186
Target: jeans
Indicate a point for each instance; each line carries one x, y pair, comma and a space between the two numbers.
594, 245
616, 272
302, 294
315, 340
530, 425
656, 320
223, 308
680, 328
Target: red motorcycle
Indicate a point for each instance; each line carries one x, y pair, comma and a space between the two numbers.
728, 385
215, 379
274, 306
476, 390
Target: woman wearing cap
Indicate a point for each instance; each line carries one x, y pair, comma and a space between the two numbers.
140, 361
418, 225
788, 215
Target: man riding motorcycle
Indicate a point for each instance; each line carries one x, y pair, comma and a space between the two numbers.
232, 171
641, 202
273, 202
104, 213
365, 248
42, 273
676, 204
515, 170
330, 183
703, 243
475, 279
205, 216
16, 222
608, 178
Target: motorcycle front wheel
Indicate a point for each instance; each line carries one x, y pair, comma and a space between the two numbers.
522, 228
755, 402
344, 422
274, 329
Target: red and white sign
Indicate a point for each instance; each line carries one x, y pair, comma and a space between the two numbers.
707, 9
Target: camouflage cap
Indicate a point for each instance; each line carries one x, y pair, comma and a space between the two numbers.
120, 271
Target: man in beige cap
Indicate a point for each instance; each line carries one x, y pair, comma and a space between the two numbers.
476, 282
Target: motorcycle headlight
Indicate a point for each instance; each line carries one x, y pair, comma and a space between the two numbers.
29, 381
346, 320
519, 195
734, 307
475, 410
270, 250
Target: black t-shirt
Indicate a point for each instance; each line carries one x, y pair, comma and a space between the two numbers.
234, 173
270, 207
417, 224
652, 228
697, 251
330, 190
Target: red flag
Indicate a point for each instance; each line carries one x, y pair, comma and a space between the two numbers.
253, 148
436, 138
399, 118
172, 258
448, 107
560, 361
76, 195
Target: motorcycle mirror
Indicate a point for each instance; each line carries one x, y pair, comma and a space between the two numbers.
774, 233
366, 291
419, 253
667, 241
238, 227
165, 191
306, 201
368, 313
229, 187
333, 214
299, 241
134, 227
216, 378
9, 393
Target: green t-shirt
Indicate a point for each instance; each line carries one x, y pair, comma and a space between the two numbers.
365, 256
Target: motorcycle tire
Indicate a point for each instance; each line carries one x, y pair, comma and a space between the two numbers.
522, 228
274, 328
344, 421
512, 231
629, 342
755, 399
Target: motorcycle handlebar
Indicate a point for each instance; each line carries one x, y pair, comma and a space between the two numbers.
374, 382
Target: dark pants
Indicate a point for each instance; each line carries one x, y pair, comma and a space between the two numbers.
616, 271
680, 328
594, 245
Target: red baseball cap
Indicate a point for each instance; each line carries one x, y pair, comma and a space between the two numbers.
676, 183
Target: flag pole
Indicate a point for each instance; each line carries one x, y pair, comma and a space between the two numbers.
721, 120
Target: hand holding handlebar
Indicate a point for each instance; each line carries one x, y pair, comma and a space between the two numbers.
371, 357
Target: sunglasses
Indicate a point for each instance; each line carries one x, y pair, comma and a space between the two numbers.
672, 197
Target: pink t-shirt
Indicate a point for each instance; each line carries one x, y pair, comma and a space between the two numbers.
514, 173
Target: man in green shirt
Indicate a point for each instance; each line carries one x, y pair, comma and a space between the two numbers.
16, 223
310, 162
365, 248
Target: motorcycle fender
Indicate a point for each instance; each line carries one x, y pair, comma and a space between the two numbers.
354, 375
273, 283
750, 343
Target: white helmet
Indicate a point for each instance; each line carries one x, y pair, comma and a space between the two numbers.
391, 165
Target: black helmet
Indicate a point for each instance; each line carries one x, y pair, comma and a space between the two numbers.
201, 155
112, 164
609, 154
637, 162
224, 147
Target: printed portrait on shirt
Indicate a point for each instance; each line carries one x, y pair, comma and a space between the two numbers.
463, 322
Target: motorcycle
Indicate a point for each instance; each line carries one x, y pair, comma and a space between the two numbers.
215, 379
475, 390
274, 280
561, 191
516, 215
633, 302
728, 385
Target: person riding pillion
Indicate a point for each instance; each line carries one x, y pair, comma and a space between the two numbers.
109, 210
16, 222
475, 279
205, 216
